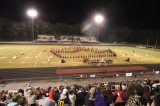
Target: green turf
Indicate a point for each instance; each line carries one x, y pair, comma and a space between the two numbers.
34, 56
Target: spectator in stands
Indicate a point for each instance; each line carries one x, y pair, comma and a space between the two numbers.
2, 101
124, 95
14, 101
49, 102
102, 99
31, 99
109, 95
98, 89
147, 93
51, 94
119, 101
90, 97
156, 95
72, 97
43, 93
48, 90
56, 94
38, 93
21, 98
21, 91
64, 96
135, 92
117, 92
8, 97
81, 96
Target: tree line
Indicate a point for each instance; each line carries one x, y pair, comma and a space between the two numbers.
131, 36
21, 31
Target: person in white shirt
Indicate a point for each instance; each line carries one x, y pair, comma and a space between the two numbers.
72, 97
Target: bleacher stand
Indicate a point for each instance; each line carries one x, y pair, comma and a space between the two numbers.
88, 40
64, 38
45, 38
121, 93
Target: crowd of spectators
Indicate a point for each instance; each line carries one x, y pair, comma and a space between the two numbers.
124, 93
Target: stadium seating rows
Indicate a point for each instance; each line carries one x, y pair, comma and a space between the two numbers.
64, 38
121, 93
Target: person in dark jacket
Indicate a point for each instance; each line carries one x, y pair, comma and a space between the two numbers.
90, 97
102, 99
81, 96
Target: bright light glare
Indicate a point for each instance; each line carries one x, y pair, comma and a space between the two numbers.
98, 18
87, 26
32, 13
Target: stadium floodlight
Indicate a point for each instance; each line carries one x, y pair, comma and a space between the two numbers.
98, 19
33, 14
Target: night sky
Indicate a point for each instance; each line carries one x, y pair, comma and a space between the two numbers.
135, 14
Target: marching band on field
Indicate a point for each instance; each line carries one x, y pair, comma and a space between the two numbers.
78, 52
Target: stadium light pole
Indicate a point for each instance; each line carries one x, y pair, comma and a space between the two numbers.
98, 19
33, 14
156, 44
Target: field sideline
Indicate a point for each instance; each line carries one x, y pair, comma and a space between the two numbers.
29, 56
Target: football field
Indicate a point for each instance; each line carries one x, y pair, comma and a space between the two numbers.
30, 56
